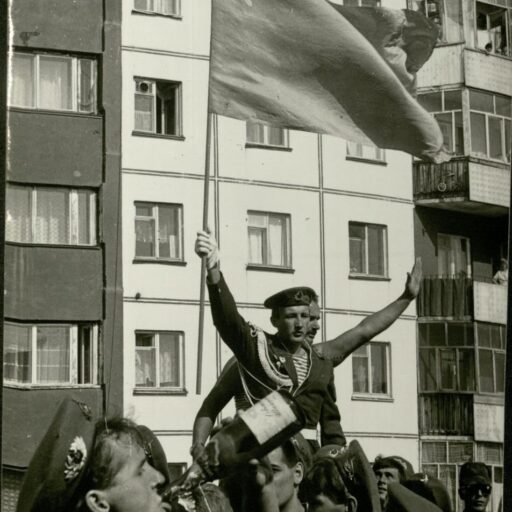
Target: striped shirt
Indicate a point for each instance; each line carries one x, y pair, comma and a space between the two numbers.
301, 363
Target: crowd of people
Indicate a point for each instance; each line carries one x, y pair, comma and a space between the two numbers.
85, 464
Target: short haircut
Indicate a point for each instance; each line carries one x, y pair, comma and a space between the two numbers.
210, 498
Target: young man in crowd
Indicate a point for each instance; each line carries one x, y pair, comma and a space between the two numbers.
388, 470
475, 486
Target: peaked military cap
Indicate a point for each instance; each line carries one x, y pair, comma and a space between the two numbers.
474, 473
154, 451
298, 296
60, 461
401, 499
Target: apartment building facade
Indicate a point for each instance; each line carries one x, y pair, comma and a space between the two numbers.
461, 232
288, 208
63, 300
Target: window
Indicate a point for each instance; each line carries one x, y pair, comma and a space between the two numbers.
45, 215
365, 152
371, 369
158, 231
491, 339
56, 354
368, 249
266, 135
446, 107
442, 460
53, 82
490, 125
446, 14
157, 107
447, 356
269, 239
453, 256
493, 28
167, 7
159, 360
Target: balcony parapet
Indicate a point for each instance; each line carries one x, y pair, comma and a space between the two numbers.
446, 414
446, 296
490, 302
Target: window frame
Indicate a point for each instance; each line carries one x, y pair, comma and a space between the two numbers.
159, 12
72, 216
361, 395
379, 158
367, 274
508, 24
75, 82
494, 351
155, 216
76, 373
287, 239
178, 106
157, 388
266, 136
469, 269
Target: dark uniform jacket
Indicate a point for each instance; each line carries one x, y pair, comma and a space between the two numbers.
316, 395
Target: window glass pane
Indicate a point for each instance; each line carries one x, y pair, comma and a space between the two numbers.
431, 101
357, 248
168, 232
379, 368
376, 256
459, 134
85, 237
437, 336
498, 475
467, 370
276, 136
85, 354
257, 245
360, 374
507, 140
486, 371
169, 360
53, 354
482, 101
169, 6
21, 88
434, 452
17, 347
445, 123
448, 369
495, 335
498, 31
277, 250
423, 334
166, 115
354, 149
456, 333
495, 138
499, 360
52, 217
428, 368
144, 115
502, 105
460, 452
255, 132
55, 83
470, 335
87, 86
478, 134
144, 210
145, 360
447, 475
145, 237
453, 99
17, 215
484, 335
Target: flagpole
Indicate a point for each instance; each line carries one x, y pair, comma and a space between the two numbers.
206, 199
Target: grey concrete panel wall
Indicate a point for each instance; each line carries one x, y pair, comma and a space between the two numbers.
53, 283
55, 149
70, 25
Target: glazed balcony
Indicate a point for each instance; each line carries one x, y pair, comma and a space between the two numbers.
446, 414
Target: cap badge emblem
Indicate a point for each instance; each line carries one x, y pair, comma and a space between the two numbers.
75, 459
300, 296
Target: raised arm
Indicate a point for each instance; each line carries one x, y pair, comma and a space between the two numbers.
342, 346
218, 397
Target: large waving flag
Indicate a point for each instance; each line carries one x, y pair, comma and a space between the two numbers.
315, 66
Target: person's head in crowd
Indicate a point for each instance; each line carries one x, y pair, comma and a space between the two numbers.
85, 466
389, 470
475, 486
342, 479
503, 264
314, 321
205, 498
431, 489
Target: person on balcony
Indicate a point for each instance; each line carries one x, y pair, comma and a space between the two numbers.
501, 277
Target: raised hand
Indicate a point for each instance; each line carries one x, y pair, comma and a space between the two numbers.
206, 247
413, 283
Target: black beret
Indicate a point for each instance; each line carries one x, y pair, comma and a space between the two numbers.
431, 489
474, 473
394, 461
401, 499
298, 296
60, 461
154, 451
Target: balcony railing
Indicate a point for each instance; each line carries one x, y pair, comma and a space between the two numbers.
442, 296
441, 181
446, 414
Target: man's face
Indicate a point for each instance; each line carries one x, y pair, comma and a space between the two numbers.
292, 323
133, 488
476, 497
384, 477
314, 322
286, 479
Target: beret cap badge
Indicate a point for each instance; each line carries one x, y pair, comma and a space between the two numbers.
75, 459
300, 296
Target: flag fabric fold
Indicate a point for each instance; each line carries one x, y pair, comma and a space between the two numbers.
313, 66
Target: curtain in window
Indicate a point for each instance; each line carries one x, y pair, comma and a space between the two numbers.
495, 138
144, 113
277, 253
360, 371
145, 237
486, 371
143, 5
52, 223
85, 236
17, 216
87, 98
53, 354
452, 21
55, 83
445, 123
478, 134
275, 136
379, 368
145, 368
376, 261
257, 232
169, 360
357, 248
255, 132
168, 229
21, 90
17, 347
169, 6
